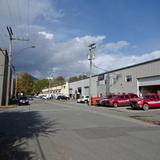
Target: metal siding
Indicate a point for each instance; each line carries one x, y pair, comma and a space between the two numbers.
84, 83
144, 70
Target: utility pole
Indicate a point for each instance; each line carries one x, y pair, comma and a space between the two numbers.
90, 58
10, 33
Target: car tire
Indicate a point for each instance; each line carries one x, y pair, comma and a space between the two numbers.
145, 107
132, 106
115, 105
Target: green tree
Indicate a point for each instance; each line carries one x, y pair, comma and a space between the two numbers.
58, 81
39, 85
77, 78
25, 83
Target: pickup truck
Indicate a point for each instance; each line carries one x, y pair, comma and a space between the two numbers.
117, 100
148, 101
83, 99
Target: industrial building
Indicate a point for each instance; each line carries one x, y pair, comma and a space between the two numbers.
140, 78
58, 90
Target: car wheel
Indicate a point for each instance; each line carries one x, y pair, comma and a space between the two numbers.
145, 107
115, 105
132, 106
85, 101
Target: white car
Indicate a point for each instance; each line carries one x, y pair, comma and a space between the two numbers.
47, 96
83, 99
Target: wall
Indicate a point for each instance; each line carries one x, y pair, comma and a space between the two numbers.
139, 71
3, 76
84, 85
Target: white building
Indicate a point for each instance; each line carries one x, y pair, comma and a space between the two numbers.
59, 90
139, 78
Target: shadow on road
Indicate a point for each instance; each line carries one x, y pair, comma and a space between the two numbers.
16, 127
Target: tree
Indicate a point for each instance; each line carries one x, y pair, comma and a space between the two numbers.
39, 85
58, 81
77, 78
24, 83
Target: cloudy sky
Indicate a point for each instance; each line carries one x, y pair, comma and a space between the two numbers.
125, 32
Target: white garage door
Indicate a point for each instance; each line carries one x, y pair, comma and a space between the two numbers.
149, 85
149, 81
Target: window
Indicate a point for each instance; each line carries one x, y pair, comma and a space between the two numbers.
129, 78
121, 97
113, 80
126, 96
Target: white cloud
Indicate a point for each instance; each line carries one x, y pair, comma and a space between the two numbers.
70, 57
115, 47
64, 58
46, 35
112, 61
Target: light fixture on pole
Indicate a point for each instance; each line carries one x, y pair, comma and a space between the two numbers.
90, 58
16, 75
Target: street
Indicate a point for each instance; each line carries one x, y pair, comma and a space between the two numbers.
54, 130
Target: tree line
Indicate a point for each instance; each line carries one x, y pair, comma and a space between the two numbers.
30, 86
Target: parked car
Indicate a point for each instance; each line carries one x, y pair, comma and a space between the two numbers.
61, 97
148, 101
23, 100
96, 100
102, 101
47, 96
117, 100
83, 99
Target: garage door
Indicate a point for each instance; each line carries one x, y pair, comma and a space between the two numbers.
149, 84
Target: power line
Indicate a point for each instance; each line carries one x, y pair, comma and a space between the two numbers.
99, 68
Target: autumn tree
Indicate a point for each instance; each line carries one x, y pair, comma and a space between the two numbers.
58, 81
24, 83
77, 78
38, 85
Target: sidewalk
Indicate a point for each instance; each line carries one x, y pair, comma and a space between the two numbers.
7, 107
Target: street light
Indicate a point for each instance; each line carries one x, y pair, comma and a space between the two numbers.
16, 76
90, 58
20, 51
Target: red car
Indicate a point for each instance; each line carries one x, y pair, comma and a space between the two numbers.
119, 100
148, 101
102, 101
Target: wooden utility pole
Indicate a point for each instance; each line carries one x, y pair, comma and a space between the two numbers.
10, 33
90, 58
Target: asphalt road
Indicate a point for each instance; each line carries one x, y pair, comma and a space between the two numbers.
51, 130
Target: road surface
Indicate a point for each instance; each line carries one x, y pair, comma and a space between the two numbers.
52, 130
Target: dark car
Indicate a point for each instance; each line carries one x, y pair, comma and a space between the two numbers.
62, 98
23, 100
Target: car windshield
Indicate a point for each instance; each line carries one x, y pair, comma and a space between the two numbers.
146, 97
23, 98
115, 97
133, 96
109, 96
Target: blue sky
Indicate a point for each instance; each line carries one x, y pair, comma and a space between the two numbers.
123, 29
132, 20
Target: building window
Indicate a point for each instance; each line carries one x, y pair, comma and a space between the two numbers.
113, 81
129, 78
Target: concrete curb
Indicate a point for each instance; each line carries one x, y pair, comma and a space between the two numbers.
8, 107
